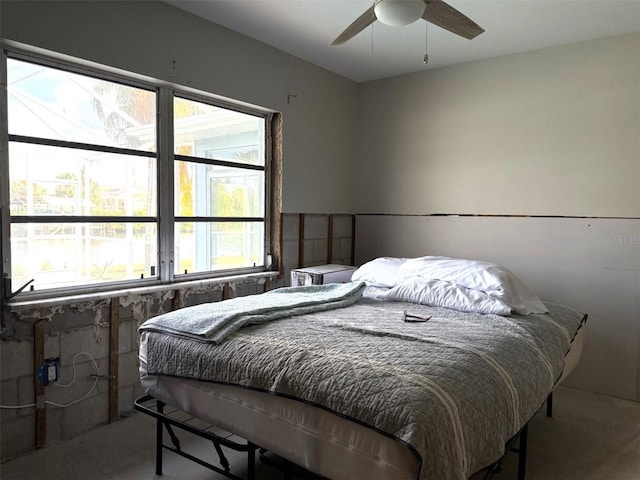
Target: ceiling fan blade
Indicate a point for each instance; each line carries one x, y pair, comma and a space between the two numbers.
445, 16
362, 22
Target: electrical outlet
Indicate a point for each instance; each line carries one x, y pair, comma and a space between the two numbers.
52, 373
49, 371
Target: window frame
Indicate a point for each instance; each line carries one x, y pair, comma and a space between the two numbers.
165, 218
199, 160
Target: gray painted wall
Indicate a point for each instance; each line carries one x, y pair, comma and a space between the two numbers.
554, 132
550, 132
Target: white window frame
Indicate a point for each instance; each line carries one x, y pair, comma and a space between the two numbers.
165, 158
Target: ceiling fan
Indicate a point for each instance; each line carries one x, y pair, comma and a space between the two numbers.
404, 12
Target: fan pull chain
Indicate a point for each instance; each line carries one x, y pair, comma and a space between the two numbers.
372, 26
426, 37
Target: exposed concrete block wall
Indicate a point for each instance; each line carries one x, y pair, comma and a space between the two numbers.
316, 242
343, 239
80, 334
17, 388
290, 239
316, 239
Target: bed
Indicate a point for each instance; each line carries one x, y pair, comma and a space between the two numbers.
417, 369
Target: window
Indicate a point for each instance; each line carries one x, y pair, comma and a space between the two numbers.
95, 196
220, 187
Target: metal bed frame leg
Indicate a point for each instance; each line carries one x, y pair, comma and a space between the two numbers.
159, 439
522, 452
251, 464
550, 405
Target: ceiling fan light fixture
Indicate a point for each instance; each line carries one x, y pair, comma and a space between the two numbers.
399, 12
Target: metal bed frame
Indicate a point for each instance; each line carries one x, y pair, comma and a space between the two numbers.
171, 418
520, 449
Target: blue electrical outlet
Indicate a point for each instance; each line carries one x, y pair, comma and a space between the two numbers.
49, 371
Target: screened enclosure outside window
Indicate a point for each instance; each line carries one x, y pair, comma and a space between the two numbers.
220, 187
85, 181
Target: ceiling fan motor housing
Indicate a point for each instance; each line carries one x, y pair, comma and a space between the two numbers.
399, 12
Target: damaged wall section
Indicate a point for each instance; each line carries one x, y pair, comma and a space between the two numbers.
78, 334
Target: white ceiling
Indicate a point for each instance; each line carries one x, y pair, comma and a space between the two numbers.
306, 28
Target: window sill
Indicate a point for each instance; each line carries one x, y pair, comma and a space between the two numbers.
24, 305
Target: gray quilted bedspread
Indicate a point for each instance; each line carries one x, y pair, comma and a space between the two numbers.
453, 389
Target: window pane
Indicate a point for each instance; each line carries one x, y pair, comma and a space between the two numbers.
65, 181
215, 191
205, 246
68, 254
207, 131
49, 103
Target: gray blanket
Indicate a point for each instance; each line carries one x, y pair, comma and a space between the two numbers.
453, 389
213, 322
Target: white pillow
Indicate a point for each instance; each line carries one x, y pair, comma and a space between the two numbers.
490, 278
440, 293
380, 272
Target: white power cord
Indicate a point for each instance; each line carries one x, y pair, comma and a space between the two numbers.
64, 405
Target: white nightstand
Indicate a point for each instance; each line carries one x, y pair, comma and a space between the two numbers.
321, 274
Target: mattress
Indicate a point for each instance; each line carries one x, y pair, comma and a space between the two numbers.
307, 436
313, 438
